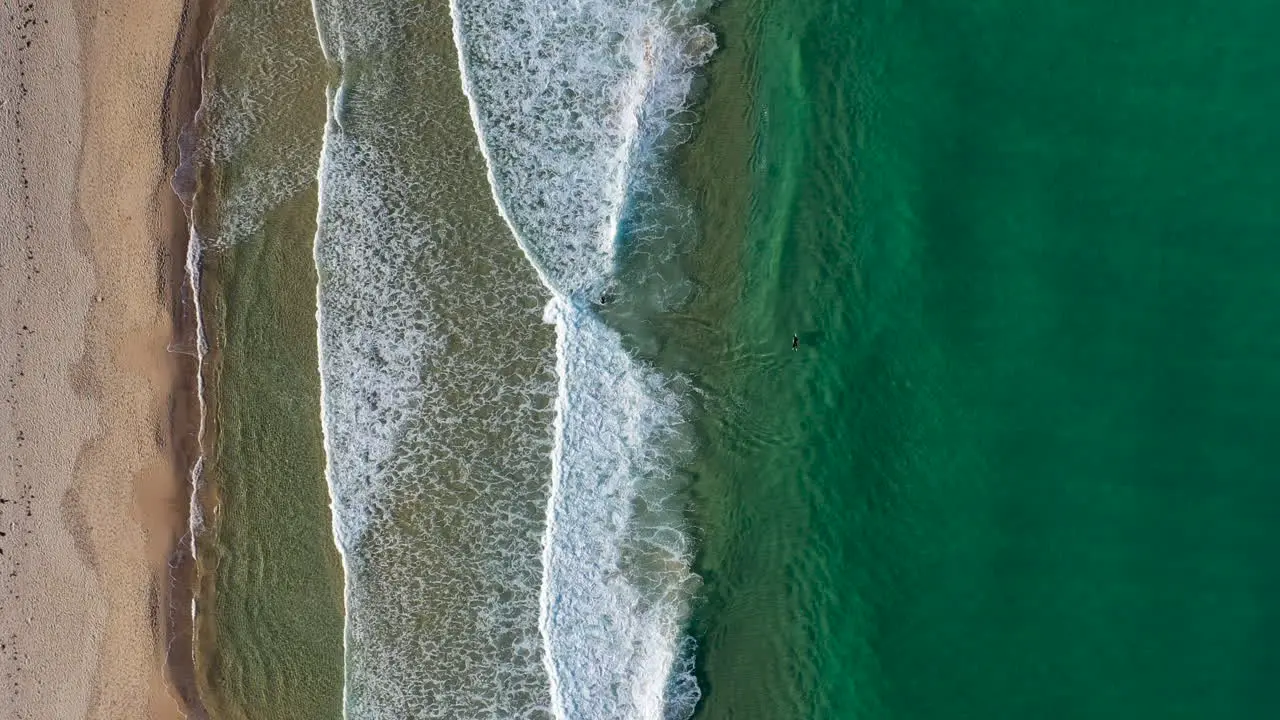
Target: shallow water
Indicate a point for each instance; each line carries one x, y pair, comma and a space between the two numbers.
270, 619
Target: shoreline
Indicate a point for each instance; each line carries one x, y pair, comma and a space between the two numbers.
180, 107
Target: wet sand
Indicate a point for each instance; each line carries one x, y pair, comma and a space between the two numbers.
92, 489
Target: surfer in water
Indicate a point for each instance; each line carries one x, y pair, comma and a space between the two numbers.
795, 342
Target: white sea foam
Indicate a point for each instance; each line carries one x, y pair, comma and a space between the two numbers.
616, 576
195, 510
434, 458
324, 397
473, 588
437, 391
569, 101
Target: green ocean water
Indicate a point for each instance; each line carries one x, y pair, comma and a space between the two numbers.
1022, 464
270, 619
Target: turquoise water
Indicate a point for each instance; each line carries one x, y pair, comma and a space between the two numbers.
1021, 465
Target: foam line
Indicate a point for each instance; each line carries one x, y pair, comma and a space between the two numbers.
613, 600
324, 416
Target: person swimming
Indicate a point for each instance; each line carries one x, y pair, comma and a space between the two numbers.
795, 342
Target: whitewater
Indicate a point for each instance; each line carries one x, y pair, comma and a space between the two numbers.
512, 528
596, 87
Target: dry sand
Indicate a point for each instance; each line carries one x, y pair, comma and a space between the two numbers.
93, 501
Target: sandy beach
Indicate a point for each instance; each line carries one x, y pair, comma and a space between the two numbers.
92, 492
